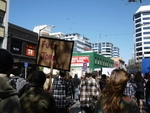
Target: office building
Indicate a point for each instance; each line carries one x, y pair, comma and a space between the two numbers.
141, 20
81, 43
106, 49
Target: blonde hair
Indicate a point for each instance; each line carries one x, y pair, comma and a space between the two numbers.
113, 91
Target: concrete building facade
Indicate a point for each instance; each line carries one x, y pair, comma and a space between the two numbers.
4, 14
81, 43
141, 20
106, 49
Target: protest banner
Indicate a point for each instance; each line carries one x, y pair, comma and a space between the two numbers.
54, 54
63, 53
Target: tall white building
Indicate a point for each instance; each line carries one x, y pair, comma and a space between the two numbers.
141, 20
116, 52
81, 43
106, 49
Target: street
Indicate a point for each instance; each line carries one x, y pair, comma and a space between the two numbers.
76, 108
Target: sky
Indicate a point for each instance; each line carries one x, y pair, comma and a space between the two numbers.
98, 20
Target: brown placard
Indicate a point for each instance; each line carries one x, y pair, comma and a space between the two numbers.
63, 53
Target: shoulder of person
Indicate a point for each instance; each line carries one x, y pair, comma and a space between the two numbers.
128, 100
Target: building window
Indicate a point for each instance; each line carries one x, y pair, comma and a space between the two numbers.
138, 39
138, 30
146, 37
138, 34
146, 33
139, 54
137, 15
138, 44
16, 46
1, 18
146, 13
95, 61
146, 23
139, 49
98, 61
148, 18
146, 52
146, 42
146, 47
146, 28
137, 21
137, 25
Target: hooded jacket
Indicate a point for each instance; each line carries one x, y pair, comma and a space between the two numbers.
9, 101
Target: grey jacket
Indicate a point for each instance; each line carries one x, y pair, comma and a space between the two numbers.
9, 101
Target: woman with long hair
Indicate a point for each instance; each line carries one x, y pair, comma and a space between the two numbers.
140, 83
112, 99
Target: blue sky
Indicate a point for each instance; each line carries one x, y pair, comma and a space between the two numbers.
98, 20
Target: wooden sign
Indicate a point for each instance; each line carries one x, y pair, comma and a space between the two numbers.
63, 53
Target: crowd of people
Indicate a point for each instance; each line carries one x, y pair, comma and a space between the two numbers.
119, 92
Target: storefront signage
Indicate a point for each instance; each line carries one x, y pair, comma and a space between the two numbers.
79, 60
30, 50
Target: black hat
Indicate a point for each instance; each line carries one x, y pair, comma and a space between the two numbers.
38, 79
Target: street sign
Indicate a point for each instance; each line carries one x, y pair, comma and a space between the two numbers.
84, 68
25, 64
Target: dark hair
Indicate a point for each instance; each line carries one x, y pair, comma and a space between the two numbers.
62, 73
88, 74
138, 76
103, 76
112, 93
6, 61
38, 79
75, 76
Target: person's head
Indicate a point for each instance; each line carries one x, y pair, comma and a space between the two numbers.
75, 76
38, 79
138, 76
113, 91
87, 75
6, 62
103, 76
118, 79
62, 73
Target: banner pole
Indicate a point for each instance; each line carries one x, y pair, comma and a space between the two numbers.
52, 65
